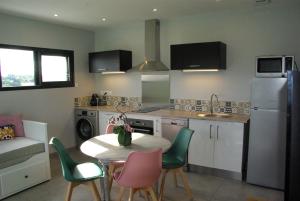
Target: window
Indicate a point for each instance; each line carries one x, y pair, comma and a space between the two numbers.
29, 68
17, 67
54, 68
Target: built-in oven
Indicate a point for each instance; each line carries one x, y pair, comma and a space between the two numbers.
141, 125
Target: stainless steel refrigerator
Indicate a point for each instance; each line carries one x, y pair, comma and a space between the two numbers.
267, 138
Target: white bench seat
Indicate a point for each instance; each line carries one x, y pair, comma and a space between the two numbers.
24, 161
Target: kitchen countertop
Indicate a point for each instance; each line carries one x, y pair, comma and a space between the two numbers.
171, 113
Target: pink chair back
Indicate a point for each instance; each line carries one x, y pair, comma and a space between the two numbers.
142, 169
109, 128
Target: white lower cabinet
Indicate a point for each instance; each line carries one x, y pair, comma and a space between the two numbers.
201, 149
217, 144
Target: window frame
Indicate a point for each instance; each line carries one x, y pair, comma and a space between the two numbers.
38, 52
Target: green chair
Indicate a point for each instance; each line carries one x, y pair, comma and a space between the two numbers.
77, 173
174, 159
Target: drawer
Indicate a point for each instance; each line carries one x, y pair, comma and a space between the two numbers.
19, 179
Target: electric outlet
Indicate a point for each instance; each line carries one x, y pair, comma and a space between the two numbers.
108, 93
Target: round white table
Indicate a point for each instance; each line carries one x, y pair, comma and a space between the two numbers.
106, 148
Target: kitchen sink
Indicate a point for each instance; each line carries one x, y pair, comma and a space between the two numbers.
219, 115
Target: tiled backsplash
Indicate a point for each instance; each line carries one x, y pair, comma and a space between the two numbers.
132, 102
177, 104
82, 101
204, 106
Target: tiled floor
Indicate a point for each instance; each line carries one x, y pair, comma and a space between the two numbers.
204, 187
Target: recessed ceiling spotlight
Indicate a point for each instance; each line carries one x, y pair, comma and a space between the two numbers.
55, 15
154, 9
103, 19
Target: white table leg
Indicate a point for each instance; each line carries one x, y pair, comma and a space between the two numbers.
104, 183
102, 193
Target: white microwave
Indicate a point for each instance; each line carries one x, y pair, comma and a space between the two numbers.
274, 66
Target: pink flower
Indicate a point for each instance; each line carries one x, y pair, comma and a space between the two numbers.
128, 128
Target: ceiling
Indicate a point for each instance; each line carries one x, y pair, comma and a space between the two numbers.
88, 14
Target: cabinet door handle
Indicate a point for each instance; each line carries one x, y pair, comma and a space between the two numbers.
156, 126
210, 131
193, 65
217, 132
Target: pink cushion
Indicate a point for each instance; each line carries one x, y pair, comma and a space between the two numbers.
15, 120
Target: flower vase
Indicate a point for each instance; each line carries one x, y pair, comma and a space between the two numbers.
124, 138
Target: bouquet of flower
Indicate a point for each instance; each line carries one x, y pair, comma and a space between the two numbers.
122, 128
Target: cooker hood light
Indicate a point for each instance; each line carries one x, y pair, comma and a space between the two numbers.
152, 49
112, 72
200, 70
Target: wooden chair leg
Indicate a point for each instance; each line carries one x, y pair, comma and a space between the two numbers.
121, 193
111, 170
162, 184
131, 194
70, 188
152, 194
95, 192
175, 178
185, 183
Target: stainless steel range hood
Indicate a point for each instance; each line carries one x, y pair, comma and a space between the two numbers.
152, 49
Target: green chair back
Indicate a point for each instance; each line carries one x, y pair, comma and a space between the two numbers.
180, 146
66, 161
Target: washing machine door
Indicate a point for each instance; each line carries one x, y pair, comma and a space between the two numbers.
84, 129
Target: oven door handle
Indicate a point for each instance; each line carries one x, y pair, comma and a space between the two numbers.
141, 130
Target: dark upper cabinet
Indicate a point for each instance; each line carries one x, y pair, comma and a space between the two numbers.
210, 55
113, 61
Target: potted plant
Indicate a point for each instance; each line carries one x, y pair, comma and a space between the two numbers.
122, 129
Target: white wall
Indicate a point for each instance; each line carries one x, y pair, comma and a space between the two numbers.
54, 106
127, 85
247, 33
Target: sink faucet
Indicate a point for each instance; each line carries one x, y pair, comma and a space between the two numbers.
211, 102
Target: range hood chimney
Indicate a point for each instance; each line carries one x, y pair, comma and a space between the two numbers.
152, 49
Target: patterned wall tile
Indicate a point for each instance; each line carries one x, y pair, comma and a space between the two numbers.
228, 104
234, 110
204, 106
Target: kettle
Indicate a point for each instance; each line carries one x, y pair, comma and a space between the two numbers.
94, 100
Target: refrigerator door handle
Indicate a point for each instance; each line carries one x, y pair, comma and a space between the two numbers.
210, 131
217, 132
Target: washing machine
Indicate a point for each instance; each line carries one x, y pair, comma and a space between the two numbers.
86, 125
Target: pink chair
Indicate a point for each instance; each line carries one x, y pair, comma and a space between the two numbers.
109, 128
140, 172
115, 165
